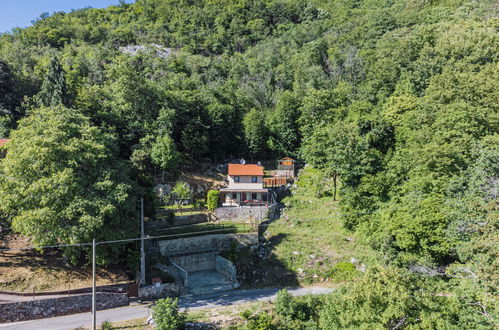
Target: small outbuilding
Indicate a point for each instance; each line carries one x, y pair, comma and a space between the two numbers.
286, 168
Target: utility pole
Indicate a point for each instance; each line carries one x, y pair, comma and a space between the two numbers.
94, 321
142, 253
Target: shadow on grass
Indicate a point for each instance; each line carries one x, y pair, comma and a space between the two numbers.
255, 271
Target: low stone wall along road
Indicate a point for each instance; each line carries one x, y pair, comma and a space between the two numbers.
43, 308
234, 297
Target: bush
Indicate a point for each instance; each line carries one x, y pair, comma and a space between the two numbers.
166, 314
342, 271
198, 203
181, 190
212, 199
297, 308
106, 325
259, 321
284, 304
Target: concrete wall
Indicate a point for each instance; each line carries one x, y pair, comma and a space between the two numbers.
37, 309
218, 242
242, 213
196, 262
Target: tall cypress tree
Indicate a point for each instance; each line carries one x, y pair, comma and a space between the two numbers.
54, 90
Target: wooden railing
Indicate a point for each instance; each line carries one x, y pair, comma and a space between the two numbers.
274, 182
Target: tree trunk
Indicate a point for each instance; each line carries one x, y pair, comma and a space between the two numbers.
335, 176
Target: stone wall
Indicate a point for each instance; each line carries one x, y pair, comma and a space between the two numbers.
158, 291
241, 214
217, 242
37, 309
184, 220
112, 288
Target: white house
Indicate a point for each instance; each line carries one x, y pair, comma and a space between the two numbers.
246, 186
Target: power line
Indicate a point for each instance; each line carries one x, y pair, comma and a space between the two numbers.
114, 241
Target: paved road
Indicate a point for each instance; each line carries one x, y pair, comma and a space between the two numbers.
226, 298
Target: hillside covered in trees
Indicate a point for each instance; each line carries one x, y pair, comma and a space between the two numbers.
395, 99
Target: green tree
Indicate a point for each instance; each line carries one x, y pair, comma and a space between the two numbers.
53, 91
393, 298
6, 98
194, 139
164, 154
62, 182
255, 132
212, 199
284, 135
340, 150
181, 190
167, 316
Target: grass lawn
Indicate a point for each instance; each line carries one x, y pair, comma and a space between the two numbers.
309, 240
130, 324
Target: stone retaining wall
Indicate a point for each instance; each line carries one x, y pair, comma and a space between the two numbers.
183, 220
243, 213
158, 291
112, 288
217, 242
37, 309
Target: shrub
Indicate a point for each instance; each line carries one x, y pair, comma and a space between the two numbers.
297, 308
167, 316
259, 321
284, 304
198, 203
310, 306
181, 190
342, 271
106, 325
212, 199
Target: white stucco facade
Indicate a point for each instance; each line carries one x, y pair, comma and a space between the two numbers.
246, 182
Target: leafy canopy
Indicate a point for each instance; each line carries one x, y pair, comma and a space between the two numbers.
62, 182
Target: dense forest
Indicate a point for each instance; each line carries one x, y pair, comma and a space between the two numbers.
396, 99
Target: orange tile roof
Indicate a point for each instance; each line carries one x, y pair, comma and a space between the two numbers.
247, 169
3, 142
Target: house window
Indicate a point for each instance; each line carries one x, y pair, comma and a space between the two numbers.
248, 196
254, 196
254, 179
234, 195
237, 179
